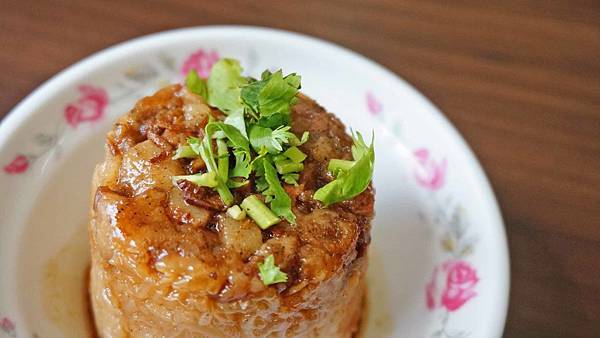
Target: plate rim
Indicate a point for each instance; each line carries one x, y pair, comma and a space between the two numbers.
24, 109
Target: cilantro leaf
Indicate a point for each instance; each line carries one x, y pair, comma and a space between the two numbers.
295, 141
273, 94
295, 154
240, 145
184, 151
196, 84
249, 96
224, 86
352, 181
237, 120
261, 183
270, 273
281, 204
271, 140
278, 94
274, 121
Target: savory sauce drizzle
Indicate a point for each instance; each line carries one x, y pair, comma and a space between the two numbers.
65, 287
66, 292
377, 319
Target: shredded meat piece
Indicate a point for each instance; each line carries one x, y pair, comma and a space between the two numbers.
201, 196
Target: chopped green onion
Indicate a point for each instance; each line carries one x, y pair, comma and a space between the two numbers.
270, 273
291, 178
335, 166
259, 212
288, 166
279, 158
185, 152
236, 213
295, 154
203, 180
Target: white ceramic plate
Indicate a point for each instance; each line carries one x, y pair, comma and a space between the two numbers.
439, 261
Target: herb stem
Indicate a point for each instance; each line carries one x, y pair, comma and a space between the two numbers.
223, 160
286, 167
259, 212
336, 165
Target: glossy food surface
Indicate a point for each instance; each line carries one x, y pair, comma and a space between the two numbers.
167, 256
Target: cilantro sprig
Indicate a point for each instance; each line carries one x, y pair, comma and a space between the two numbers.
270, 273
205, 150
351, 177
273, 94
256, 138
255, 131
224, 86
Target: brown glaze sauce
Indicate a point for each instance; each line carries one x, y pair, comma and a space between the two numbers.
70, 310
65, 288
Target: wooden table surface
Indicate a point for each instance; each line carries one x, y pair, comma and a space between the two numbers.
520, 79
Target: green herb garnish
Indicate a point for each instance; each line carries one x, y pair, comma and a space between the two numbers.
255, 138
281, 204
204, 149
237, 120
288, 167
259, 212
273, 94
270, 273
291, 178
203, 180
240, 145
269, 139
224, 86
335, 166
350, 180
223, 160
184, 152
236, 213
196, 84
295, 154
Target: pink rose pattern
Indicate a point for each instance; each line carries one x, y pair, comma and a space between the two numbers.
8, 327
431, 290
374, 106
430, 173
459, 280
453, 282
201, 61
88, 108
17, 166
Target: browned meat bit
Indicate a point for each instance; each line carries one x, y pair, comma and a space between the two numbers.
200, 196
168, 260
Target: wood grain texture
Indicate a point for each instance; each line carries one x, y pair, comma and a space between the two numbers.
520, 79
